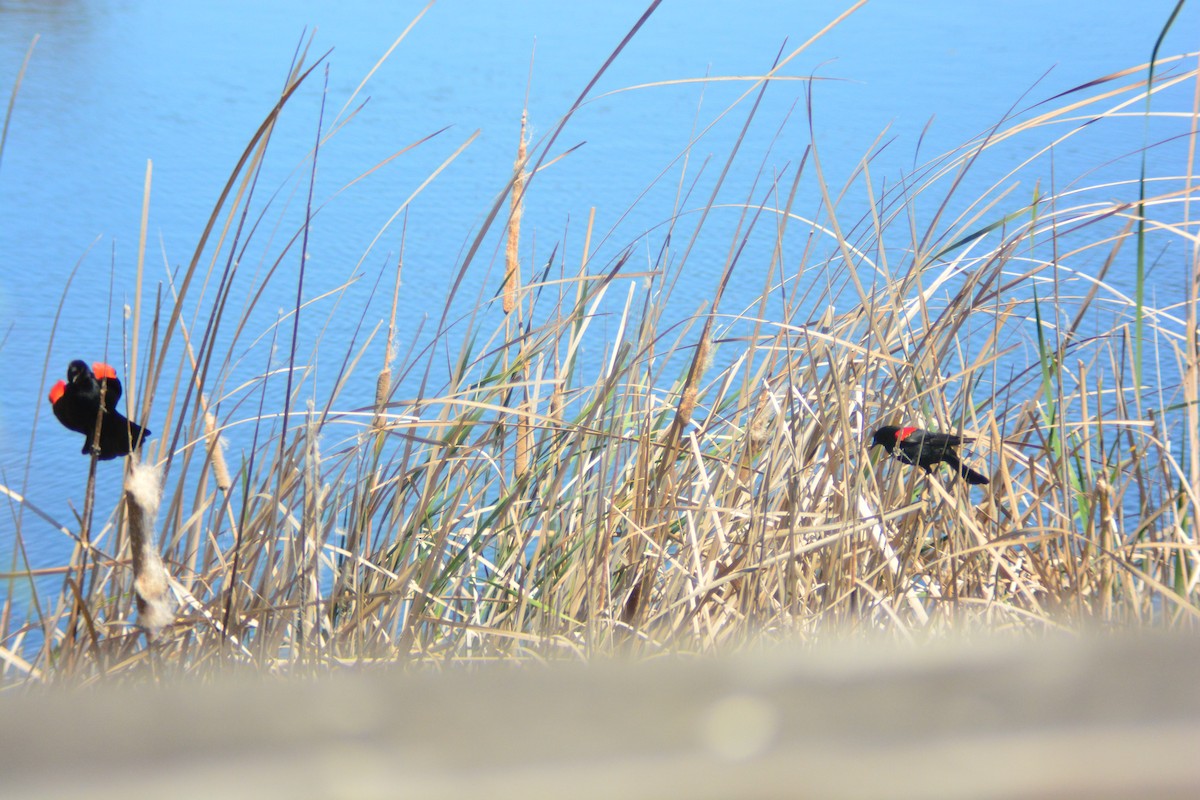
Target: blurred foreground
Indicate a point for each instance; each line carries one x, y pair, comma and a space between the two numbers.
1096, 718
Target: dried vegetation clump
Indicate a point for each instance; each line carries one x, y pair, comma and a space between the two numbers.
591, 475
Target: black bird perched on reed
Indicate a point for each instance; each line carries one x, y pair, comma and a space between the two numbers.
925, 449
76, 404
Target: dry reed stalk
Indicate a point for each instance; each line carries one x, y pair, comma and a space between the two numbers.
512, 288
512, 264
143, 492
1191, 368
383, 383
1108, 538
314, 496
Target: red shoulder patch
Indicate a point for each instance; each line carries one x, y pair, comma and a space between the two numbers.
57, 391
102, 370
904, 433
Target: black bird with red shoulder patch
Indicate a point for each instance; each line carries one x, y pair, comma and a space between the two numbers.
76, 404
925, 449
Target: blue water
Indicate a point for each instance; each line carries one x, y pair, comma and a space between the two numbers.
111, 86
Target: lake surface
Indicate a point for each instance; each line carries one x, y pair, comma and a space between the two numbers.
111, 86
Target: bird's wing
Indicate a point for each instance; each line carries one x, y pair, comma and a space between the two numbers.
938, 440
60, 408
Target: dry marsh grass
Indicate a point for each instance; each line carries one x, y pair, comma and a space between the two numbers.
700, 485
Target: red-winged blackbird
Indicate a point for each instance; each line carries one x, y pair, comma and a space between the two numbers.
76, 403
925, 449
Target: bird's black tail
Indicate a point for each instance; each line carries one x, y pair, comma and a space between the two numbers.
120, 436
969, 475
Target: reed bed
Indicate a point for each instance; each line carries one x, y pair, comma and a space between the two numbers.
586, 475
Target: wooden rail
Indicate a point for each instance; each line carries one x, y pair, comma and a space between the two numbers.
1091, 718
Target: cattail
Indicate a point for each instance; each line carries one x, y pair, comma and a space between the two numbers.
704, 357
512, 284
143, 491
557, 402
760, 418
216, 452
383, 388
687, 405
524, 442
512, 277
